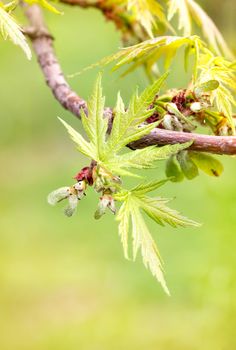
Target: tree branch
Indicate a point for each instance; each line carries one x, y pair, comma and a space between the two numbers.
42, 43
201, 143
110, 11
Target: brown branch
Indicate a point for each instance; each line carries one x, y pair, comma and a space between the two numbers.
201, 143
43, 46
42, 43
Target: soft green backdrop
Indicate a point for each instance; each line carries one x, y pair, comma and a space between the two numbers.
64, 284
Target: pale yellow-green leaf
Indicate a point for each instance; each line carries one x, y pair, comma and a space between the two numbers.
134, 201
10, 29
150, 51
146, 12
221, 70
189, 10
180, 7
143, 240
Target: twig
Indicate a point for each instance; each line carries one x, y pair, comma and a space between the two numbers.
42, 42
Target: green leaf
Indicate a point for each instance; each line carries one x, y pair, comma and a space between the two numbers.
10, 29
147, 187
210, 165
141, 238
144, 158
173, 170
126, 126
188, 167
123, 218
95, 124
157, 210
83, 146
133, 202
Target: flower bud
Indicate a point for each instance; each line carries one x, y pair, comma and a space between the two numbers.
106, 201
79, 188
167, 122
196, 107
171, 107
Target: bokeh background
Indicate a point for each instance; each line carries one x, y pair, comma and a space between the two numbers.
64, 283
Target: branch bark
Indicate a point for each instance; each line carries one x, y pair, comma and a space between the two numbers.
42, 42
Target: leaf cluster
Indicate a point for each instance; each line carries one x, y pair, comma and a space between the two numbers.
154, 15
107, 151
207, 69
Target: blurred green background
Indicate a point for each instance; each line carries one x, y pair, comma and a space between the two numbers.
64, 283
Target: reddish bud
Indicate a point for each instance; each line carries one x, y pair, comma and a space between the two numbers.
86, 175
153, 118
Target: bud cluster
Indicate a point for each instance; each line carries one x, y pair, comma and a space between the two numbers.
102, 182
183, 110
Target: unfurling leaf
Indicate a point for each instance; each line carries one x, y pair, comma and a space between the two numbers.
207, 163
173, 170
209, 85
219, 69
187, 166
